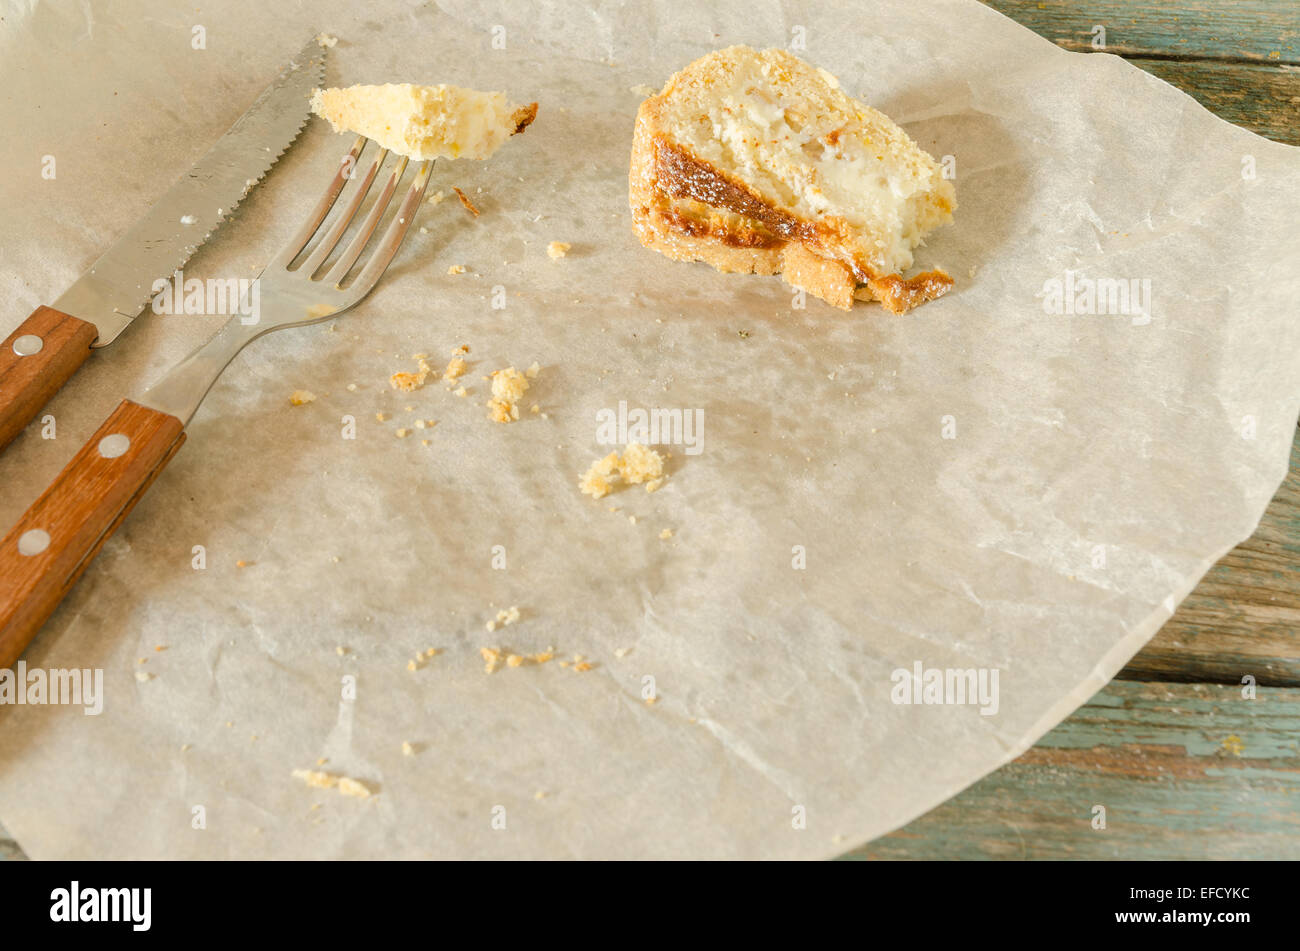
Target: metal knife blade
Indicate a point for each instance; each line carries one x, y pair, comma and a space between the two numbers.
119, 284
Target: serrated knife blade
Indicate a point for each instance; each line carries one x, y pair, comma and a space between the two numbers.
118, 285
47, 348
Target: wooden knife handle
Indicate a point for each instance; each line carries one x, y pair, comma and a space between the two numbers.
35, 361
46, 552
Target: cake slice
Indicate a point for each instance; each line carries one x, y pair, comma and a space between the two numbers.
424, 122
756, 162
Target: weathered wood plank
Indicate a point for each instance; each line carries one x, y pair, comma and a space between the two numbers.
1183, 772
1266, 31
1244, 616
1263, 99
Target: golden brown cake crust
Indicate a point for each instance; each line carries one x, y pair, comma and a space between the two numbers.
832, 281
679, 174
900, 294
523, 117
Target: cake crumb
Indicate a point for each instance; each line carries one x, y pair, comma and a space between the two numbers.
508, 386
504, 617
456, 269
461, 391
455, 368
557, 249
407, 382
436, 197
242, 564
344, 784
666, 533
595, 481
637, 464
352, 787
407, 748
469, 205
301, 397
492, 657
381, 416
341, 650
316, 779
325, 41
143, 676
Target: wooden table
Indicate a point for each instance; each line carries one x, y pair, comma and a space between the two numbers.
1185, 767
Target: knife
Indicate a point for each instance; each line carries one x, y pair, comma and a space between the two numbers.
48, 347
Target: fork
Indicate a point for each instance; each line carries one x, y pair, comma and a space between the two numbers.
54, 541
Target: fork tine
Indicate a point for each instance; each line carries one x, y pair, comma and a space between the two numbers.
340, 225
397, 229
293, 247
362, 237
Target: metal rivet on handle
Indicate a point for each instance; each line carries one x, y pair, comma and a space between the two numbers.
28, 344
110, 447
33, 542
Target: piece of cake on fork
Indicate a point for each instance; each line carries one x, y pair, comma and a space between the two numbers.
424, 122
756, 162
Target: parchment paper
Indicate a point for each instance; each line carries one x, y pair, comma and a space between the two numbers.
1099, 465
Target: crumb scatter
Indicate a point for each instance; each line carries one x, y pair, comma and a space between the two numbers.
637, 464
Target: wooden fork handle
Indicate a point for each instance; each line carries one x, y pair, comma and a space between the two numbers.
46, 552
35, 361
